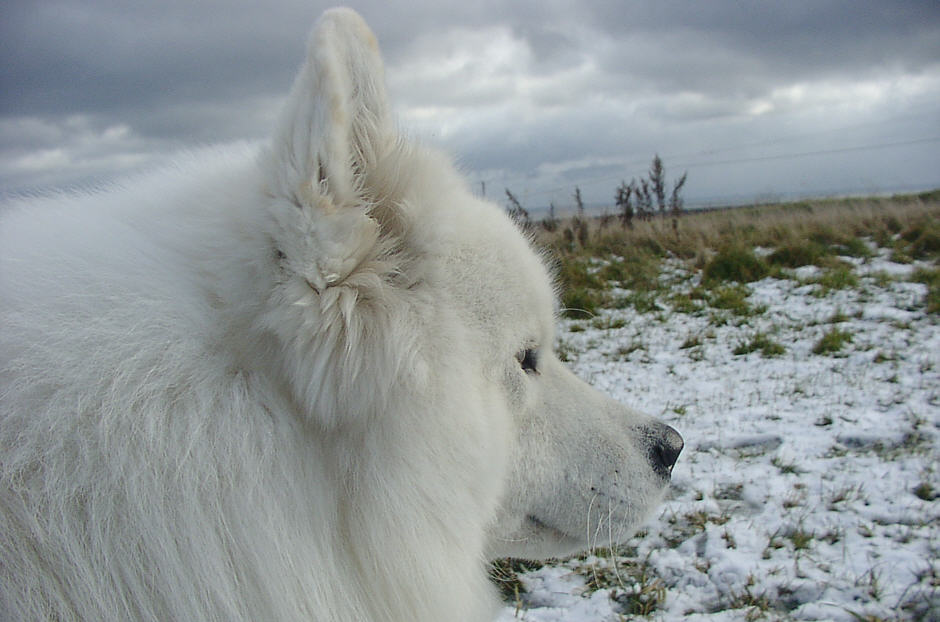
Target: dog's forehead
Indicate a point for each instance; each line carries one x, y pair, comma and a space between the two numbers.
498, 280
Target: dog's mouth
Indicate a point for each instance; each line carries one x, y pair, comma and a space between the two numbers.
545, 528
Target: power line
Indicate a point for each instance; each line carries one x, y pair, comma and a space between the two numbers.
705, 163
929, 110
785, 156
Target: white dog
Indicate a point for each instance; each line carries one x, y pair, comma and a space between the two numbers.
311, 383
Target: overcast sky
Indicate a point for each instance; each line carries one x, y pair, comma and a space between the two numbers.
755, 100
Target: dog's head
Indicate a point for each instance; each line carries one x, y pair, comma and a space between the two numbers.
380, 246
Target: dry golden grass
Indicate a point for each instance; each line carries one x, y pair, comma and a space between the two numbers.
831, 222
722, 244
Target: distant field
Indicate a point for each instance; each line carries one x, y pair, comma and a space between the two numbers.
797, 348
792, 234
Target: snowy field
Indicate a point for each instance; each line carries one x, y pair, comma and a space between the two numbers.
808, 489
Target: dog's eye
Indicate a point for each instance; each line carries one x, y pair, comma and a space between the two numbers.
528, 360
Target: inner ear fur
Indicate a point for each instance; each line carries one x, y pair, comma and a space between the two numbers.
335, 130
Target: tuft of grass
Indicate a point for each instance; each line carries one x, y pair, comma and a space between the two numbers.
691, 524
760, 342
797, 253
926, 491
757, 605
504, 573
884, 357
735, 263
840, 277
581, 302
624, 352
581, 286
900, 256
632, 584
931, 278
923, 239
642, 301
577, 273
832, 341
730, 542
608, 323
844, 495
733, 297
774, 542
692, 341
787, 468
565, 352
800, 538
854, 247
838, 317
685, 303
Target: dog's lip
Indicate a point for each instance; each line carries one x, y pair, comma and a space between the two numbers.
543, 526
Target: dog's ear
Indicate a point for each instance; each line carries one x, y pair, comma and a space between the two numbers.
335, 127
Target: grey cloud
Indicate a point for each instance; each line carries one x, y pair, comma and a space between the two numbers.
591, 82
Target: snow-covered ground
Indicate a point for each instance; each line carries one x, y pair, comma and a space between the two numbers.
808, 489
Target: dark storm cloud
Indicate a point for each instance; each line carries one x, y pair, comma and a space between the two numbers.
529, 90
100, 57
726, 47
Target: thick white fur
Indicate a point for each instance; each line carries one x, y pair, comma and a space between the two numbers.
285, 385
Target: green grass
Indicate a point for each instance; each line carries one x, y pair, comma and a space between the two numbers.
643, 302
733, 298
787, 468
756, 604
854, 247
692, 341
581, 302
832, 341
633, 585
735, 263
840, 277
923, 239
801, 539
926, 491
607, 323
586, 280
504, 573
637, 270
760, 343
838, 317
931, 278
624, 352
685, 303
797, 253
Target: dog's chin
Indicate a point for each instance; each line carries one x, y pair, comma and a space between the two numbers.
548, 541
537, 539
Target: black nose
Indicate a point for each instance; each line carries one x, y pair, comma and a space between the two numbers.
665, 446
